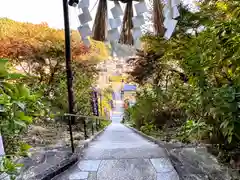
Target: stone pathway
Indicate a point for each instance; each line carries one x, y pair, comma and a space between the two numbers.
121, 154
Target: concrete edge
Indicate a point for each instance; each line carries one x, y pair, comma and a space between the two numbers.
150, 138
162, 144
173, 158
166, 146
63, 166
66, 164
159, 143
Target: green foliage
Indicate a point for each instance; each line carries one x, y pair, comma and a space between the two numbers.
104, 123
194, 77
84, 78
18, 107
38, 52
106, 97
192, 131
40, 90
148, 128
127, 115
8, 166
153, 106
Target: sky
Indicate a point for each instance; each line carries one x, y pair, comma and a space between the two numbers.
49, 11
37, 11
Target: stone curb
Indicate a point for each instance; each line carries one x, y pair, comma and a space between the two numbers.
66, 164
159, 143
150, 138
168, 147
162, 144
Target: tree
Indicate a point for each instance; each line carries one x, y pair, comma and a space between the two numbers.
196, 72
19, 107
38, 51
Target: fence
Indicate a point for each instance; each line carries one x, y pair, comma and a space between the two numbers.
53, 141
90, 124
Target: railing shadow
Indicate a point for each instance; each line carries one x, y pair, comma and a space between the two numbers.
55, 142
88, 125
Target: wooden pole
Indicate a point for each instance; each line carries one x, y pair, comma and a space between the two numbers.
68, 69
126, 34
158, 17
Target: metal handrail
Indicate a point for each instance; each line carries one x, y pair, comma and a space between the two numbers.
85, 121
79, 115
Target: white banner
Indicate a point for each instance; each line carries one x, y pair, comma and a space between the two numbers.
2, 152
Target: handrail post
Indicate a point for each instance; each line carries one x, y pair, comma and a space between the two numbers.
70, 130
85, 129
92, 127
101, 108
99, 123
96, 125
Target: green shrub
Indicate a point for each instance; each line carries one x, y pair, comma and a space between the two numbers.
18, 108
193, 79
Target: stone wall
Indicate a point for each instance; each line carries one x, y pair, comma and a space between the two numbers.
196, 163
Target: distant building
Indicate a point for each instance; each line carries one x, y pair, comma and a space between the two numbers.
129, 87
129, 93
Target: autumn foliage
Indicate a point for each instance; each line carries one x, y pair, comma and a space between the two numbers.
37, 51
19, 39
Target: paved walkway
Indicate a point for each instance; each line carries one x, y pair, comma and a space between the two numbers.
121, 154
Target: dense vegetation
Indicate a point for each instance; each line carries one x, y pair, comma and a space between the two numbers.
33, 81
191, 83
18, 108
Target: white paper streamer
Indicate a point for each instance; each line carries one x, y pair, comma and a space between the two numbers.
122, 50
138, 21
167, 12
83, 4
175, 2
170, 25
115, 23
116, 11
141, 7
113, 34
170, 12
85, 17
86, 42
175, 12
84, 31
136, 33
